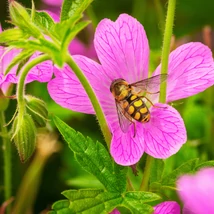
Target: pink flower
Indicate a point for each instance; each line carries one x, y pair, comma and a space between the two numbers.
115, 211
42, 72
53, 3
167, 207
196, 192
123, 51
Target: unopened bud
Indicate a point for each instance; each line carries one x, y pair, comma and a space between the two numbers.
24, 131
38, 110
22, 19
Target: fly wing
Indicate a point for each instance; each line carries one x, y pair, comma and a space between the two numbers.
125, 119
150, 85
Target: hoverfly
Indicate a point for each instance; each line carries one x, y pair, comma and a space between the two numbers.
129, 99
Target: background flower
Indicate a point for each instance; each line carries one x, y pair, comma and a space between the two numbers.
123, 51
196, 191
167, 207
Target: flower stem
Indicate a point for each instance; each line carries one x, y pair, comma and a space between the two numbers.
7, 157
99, 113
146, 174
21, 84
166, 46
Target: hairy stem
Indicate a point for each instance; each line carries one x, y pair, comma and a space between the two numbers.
98, 110
21, 84
166, 46
7, 157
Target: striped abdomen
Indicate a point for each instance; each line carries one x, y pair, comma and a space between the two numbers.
136, 108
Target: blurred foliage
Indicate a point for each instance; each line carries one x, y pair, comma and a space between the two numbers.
62, 171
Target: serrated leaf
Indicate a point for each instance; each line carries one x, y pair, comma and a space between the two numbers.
22, 57
135, 202
42, 20
204, 165
87, 201
187, 167
138, 208
142, 197
94, 158
71, 7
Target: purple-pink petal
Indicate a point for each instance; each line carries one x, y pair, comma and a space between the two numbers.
196, 191
165, 133
53, 3
115, 211
42, 72
122, 48
66, 90
126, 148
167, 207
190, 71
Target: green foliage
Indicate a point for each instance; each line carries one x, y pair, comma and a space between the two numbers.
89, 201
94, 158
43, 21
12, 34
205, 165
187, 167
72, 7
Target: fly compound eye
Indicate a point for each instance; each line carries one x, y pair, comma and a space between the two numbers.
115, 84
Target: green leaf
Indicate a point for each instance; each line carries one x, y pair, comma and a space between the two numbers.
94, 158
135, 201
43, 46
42, 20
21, 58
61, 28
187, 167
87, 201
204, 165
143, 197
71, 33
71, 7
138, 208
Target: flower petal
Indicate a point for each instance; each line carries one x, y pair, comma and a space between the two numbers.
122, 48
165, 133
197, 188
167, 207
67, 91
191, 70
125, 148
41, 72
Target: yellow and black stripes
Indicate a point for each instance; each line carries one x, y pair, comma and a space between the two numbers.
136, 108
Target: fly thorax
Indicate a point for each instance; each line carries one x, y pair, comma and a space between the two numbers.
120, 89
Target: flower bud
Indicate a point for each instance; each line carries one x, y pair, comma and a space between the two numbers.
38, 110
22, 19
24, 136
